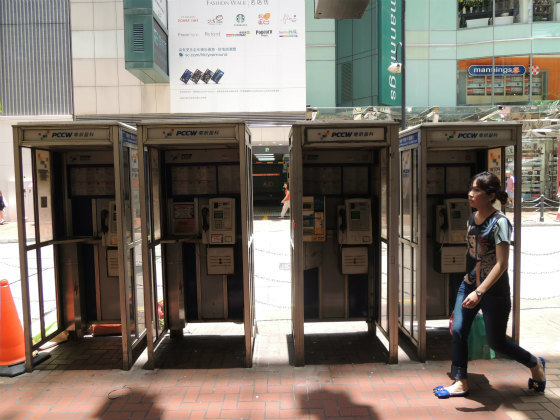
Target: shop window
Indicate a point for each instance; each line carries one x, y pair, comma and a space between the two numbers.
478, 13
546, 10
539, 167
508, 80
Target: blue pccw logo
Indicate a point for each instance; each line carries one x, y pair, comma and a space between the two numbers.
480, 70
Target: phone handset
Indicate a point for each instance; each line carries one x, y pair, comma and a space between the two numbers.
342, 215
205, 213
443, 224
104, 224
108, 224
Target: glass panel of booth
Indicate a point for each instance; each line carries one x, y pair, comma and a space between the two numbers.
28, 195
126, 195
155, 196
44, 195
401, 277
384, 167
406, 194
415, 197
158, 289
34, 309
384, 292
407, 289
138, 292
48, 288
135, 196
414, 298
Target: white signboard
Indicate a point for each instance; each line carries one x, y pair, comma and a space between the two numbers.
478, 134
237, 55
345, 134
160, 9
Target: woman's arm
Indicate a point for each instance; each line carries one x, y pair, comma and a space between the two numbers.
502, 258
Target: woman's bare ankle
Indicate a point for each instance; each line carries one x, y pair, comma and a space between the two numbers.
537, 372
460, 385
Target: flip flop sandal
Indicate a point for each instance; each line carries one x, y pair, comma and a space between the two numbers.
444, 393
538, 386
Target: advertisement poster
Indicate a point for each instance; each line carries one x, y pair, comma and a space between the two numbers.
236, 55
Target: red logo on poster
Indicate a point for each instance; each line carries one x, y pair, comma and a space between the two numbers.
535, 70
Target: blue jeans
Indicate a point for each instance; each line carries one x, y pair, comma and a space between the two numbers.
495, 310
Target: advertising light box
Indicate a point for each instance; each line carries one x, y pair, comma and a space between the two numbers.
236, 55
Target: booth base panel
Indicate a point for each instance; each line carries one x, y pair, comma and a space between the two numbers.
342, 343
203, 345
438, 342
86, 353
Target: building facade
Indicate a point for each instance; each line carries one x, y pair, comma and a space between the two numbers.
65, 60
479, 53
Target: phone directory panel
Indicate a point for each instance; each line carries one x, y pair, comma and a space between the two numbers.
92, 181
193, 179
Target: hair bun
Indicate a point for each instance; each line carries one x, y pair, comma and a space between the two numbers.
502, 197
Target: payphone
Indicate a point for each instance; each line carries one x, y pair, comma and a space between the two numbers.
86, 228
340, 180
437, 163
354, 229
451, 221
218, 225
219, 217
198, 174
354, 222
450, 233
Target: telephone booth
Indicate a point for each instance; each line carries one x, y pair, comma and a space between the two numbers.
437, 162
197, 230
344, 216
79, 233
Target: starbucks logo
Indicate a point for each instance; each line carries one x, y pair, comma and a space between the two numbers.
240, 18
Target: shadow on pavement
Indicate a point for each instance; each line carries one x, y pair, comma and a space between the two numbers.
344, 348
86, 353
126, 402
319, 404
201, 352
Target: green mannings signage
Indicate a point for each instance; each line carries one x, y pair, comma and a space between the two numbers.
390, 23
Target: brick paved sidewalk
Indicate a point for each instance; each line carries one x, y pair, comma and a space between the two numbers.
78, 383
373, 391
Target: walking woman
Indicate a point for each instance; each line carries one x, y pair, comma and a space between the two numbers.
486, 287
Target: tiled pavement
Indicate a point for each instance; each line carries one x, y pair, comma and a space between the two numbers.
197, 379
201, 377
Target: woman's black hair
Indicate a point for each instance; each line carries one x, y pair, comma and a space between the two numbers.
490, 183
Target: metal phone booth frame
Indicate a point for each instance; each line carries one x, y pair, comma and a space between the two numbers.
333, 163
193, 271
437, 162
79, 228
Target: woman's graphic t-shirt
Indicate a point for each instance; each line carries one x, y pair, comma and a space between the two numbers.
481, 247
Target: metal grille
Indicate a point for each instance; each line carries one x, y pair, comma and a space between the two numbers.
35, 57
347, 82
138, 37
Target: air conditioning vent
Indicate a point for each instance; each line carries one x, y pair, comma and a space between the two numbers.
138, 37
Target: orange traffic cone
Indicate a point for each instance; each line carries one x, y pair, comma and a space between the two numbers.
12, 345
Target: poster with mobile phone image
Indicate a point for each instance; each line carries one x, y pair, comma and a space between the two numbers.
218, 74
207, 75
186, 76
228, 42
196, 76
